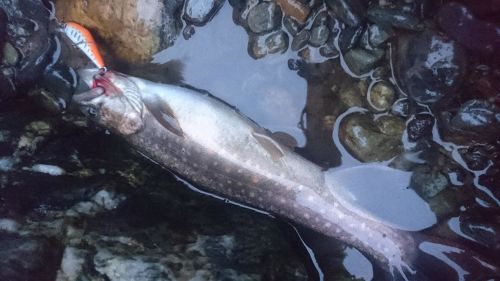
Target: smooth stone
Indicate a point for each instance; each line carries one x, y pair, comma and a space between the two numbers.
264, 17
420, 126
375, 35
361, 61
476, 35
477, 115
319, 35
401, 107
349, 37
393, 17
477, 157
430, 66
300, 40
260, 46
350, 12
294, 9
188, 32
381, 96
199, 12
367, 140
428, 183
10, 55
292, 26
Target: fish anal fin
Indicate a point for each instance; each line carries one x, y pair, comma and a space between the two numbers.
270, 145
164, 114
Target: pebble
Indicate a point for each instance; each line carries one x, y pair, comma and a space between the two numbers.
264, 17
428, 183
420, 126
294, 9
260, 46
350, 12
361, 61
381, 96
199, 12
477, 115
300, 40
393, 17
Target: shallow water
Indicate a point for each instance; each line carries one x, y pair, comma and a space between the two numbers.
216, 59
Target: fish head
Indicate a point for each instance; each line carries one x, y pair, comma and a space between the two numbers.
112, 100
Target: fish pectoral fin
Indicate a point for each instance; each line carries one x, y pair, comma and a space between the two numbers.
164, 114
285, 139
270, 145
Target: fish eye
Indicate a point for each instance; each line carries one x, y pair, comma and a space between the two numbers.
92, 111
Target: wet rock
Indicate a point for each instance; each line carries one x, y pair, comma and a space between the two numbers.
381, 96
199, 12
294, 9
361, 61
26, 259
420, 126
430, 66
476, 157
350, 12
134, 34
375, 35
476, 35
188, 31
369, 140
260, 46
292, 26
264, 17
319, 31
10, 55
428, 183
349, 37
401, 107
477, 116
394, 17
27, 34
300, 40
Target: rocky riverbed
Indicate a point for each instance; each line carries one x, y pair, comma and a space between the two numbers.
411, 83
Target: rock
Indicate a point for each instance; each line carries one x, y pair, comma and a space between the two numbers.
188, 31
294, 9
349, 37
27, 34
350, 12
319, 31
430, 66
199, 12
361, 61
292, 26
28, 259
381, 96
134, 34
260, 46
10, 55
428, 183
300, 40
401, 107
394, 17
369, 140
477, 116
264, 17
375, 35
420, 126
476, 157
476, 35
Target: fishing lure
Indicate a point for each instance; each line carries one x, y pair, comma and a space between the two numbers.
83, 39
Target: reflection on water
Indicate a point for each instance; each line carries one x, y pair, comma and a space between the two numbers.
215, 58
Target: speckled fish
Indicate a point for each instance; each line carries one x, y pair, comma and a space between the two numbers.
214, 146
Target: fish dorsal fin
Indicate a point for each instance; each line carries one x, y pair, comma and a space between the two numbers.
285, 139
164, 114
269, 144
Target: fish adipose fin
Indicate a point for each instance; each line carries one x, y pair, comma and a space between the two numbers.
164, 114
270, 145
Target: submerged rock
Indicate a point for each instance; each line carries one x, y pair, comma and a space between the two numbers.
264, 17
477, 116
350, 12
476, 35
260, 46
134, 34
428, 183
430, 66
370, 140
420, 126
375, 35
319, 31
381, 96
199, 12
294, 9
300, 40
394, 17
361, 61
349, 37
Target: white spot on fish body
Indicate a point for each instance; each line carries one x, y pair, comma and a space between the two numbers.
310, 198
328, 225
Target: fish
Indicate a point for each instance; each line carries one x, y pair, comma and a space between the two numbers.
83, 40
212, 145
